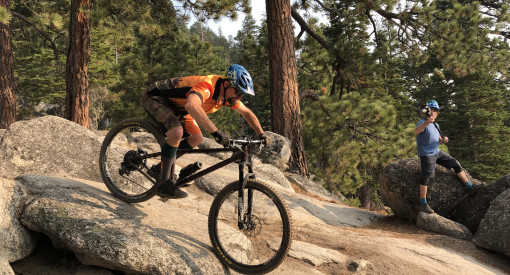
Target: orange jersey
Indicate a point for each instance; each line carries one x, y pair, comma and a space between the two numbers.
178, 89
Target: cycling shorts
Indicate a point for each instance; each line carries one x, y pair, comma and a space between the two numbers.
160, 109
428, 164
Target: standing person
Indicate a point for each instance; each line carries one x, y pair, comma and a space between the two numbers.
428, 139
182, 102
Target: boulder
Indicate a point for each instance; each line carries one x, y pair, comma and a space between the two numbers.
44, 108
146, 238
5, 268
278, 151
49, 145
471, 211
270, 174
399, 187
494, 230
208, 143
212, 183
311, 188
440, 225
17, 241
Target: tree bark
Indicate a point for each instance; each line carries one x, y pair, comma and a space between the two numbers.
285, 110
77, 66
7, 97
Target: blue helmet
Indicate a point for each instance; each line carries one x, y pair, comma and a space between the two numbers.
433, 105
240, 79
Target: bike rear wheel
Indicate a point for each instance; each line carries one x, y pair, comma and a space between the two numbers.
128, 151
265, 239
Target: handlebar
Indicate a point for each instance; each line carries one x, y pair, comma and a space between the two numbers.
247, 142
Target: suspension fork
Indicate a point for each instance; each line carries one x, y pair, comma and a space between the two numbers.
244, 218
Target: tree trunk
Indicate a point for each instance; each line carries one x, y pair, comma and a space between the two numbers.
7, 98
77, 66
285, 111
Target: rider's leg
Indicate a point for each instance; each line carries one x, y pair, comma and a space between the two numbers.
159, 108
168, 155
193, 140
428, 164
195, 134
169, 151
449, 162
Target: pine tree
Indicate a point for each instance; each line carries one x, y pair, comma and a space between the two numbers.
474, 123
39, 44
7, 98
77, 66
285, 110
350, 140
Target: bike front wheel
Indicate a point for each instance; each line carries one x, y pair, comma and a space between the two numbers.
128, 152
262, 242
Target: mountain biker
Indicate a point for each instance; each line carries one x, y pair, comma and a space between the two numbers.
182, 102
428, 139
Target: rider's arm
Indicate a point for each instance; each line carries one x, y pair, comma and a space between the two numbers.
194, 108
250, 117
424, 125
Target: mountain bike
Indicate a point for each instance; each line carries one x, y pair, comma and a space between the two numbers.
249, 224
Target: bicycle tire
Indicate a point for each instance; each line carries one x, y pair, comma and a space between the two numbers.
250, 251
124, 140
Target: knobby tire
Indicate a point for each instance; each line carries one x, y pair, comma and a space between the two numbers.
120, 140
260, 248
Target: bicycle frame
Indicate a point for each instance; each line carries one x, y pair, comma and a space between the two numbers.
240, 153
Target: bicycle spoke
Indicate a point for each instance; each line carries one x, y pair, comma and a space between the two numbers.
265, 237
128, 152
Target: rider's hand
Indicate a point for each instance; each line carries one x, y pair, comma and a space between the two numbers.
431, 119
221, 138
265, 138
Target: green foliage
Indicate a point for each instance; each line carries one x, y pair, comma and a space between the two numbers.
474, 122
39, 68
44, 85
205, 9
348, 141
5, 15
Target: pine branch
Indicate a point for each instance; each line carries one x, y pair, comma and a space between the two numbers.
304, 26
41, 32
308, 94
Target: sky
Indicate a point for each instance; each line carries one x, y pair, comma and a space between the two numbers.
229, 27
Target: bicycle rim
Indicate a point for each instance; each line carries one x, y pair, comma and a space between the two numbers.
260, 247
122, 159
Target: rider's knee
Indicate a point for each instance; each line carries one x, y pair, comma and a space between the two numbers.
457, 168
174, 135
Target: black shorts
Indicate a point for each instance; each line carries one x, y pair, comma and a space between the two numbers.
428, 164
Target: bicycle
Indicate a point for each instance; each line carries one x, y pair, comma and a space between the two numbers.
249, 224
